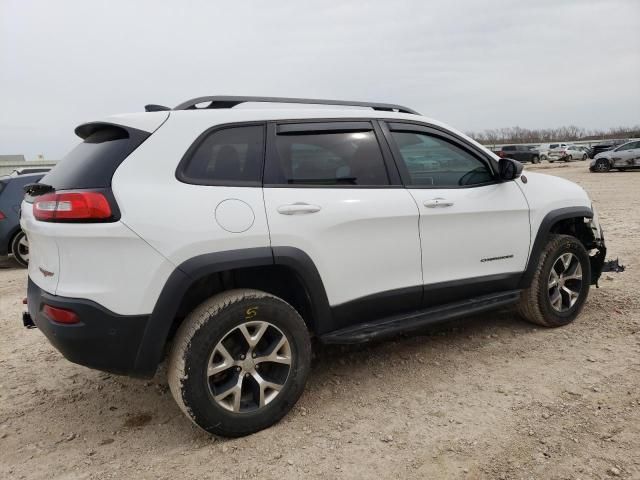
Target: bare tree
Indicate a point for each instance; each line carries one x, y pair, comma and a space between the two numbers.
566, 133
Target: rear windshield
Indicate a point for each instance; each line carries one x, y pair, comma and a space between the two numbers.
92, 163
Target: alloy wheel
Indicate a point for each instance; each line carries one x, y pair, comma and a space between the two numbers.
565, 282
249, 366
23, 248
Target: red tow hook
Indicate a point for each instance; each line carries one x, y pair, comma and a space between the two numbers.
27, 321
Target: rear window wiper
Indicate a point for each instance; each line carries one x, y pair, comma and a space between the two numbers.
35, 189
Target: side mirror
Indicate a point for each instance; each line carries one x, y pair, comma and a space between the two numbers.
509, 169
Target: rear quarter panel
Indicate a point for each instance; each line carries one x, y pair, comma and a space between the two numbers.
104, 262
179, 219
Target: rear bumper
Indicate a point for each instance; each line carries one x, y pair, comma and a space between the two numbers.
102, 340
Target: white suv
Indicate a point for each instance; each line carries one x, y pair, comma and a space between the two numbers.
234, 234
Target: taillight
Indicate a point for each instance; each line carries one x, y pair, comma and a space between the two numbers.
72, 206
501, 154
2, 215
562, 152
61, 315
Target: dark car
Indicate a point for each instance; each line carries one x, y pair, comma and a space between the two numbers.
521, 153
12, 239
605, 146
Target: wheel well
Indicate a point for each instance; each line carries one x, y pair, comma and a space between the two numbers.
576, 227
278, 280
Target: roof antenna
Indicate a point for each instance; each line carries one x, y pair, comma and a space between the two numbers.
155, 108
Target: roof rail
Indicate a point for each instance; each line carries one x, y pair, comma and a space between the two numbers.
223, 101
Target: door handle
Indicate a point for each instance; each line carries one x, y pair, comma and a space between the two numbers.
298, 208
437, 202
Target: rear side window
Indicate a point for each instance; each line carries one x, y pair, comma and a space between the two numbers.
228, 156
332, 158
92, 163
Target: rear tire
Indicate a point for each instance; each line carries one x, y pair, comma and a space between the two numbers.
20, 249
239, 362
559, 288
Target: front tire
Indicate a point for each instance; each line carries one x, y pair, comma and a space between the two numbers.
602, 165
535, 160
20, 249
560, 285
584, 157
239, 362
568, 158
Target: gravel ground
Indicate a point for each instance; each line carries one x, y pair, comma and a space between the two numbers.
489, 397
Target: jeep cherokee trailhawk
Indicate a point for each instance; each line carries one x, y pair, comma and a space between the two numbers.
233, 234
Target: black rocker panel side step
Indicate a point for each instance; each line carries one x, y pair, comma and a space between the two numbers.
390, 326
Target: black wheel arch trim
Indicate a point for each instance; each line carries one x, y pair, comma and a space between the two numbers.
151, 350
157, 330
542, 235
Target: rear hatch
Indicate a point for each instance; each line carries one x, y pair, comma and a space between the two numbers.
76, 194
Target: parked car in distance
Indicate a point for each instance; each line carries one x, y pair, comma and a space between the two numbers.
567, 154
553, 146
543, 151
586, 150
605, 146
12, 238
521, 153
267, 248
624, 157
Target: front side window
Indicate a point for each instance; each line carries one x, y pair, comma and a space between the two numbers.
231, 156
351, 158
435, 162
628, 146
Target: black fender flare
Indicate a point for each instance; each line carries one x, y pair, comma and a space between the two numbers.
151, 350
542, 236
305, 268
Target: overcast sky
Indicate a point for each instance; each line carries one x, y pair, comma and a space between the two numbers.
474, 64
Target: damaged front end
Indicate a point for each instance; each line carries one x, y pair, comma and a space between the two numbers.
594, 243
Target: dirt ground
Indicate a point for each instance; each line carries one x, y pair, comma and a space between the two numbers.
490, 397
